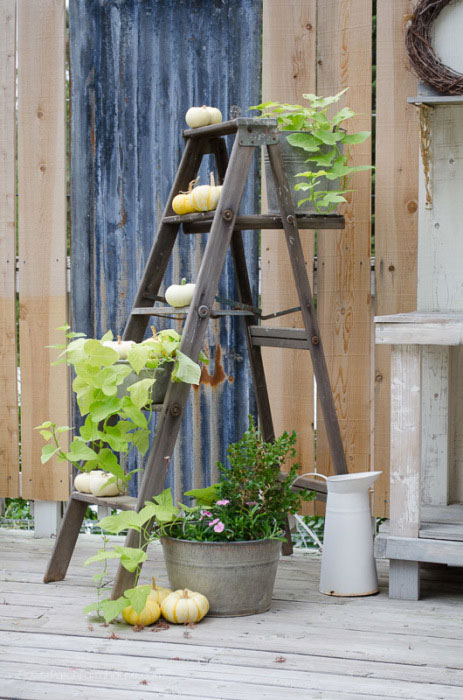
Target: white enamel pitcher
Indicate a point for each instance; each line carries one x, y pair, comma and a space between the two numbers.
348, 565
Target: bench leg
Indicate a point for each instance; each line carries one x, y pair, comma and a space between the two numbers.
66, 541
404, 579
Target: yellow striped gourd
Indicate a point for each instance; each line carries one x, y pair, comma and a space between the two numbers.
184, 606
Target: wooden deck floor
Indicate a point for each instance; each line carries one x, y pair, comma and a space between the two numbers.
307, 646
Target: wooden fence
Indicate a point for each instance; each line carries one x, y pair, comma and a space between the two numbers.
317, 46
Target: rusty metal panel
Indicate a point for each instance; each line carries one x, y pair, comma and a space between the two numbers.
137, 65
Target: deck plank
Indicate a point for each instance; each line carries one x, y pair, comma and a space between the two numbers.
332, 647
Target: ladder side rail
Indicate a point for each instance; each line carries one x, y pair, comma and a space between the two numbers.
254, 352
315, 345
164, 242
245, 296
194, 331
65, 541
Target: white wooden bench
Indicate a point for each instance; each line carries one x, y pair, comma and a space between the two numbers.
423, 526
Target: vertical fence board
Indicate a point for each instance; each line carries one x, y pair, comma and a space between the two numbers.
9, 451
344, 40
288, 71
42, 236
136, 69
395, 208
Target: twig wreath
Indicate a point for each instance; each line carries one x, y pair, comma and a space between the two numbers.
421, 53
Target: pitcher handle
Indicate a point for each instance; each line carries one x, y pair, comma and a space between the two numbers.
310, 474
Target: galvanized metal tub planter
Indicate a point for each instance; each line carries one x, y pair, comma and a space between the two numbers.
159, 388
294, 160
237, 578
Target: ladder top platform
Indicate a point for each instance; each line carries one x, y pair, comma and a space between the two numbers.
231, 127
201, 222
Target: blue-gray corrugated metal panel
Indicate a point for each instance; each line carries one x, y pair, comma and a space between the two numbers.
136, 68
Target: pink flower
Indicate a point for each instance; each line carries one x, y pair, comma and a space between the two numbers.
205, 514
251, 503
218, 525
223, 502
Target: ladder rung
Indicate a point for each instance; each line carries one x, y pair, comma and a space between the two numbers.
182, 313
119, 502
295, 338
304, 483
201, 222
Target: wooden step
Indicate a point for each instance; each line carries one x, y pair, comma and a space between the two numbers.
295, 338
201, 222
130, 503
119, 502
183, 313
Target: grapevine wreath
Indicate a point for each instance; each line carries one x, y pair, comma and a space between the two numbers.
422, 56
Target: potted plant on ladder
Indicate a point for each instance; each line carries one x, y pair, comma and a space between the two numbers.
315, 150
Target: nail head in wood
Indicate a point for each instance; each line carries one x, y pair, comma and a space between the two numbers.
290, 219
175, 410
227, 215
203, 311
315, 340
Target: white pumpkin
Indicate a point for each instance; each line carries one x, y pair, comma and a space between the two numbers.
215, 115
203, 116
203, 198
206, 197
122, 347
198, 116
82, 482
184, 606
99, 484
179, 295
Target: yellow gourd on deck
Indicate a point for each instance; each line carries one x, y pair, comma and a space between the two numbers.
185, 606
150, 613
158, 593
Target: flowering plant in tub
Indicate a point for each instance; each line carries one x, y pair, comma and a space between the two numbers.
227, 545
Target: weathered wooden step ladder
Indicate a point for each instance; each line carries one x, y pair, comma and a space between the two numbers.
224, 226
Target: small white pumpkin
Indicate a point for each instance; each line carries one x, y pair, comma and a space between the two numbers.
205, 197
99, 484
203, 116
122, 347
179, 295
215, 115
82, 482
184, 606
198, 116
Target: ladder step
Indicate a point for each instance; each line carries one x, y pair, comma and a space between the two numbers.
201, 222
119, 502
295, 338
181, 313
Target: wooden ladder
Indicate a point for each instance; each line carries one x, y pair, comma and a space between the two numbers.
224, 226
